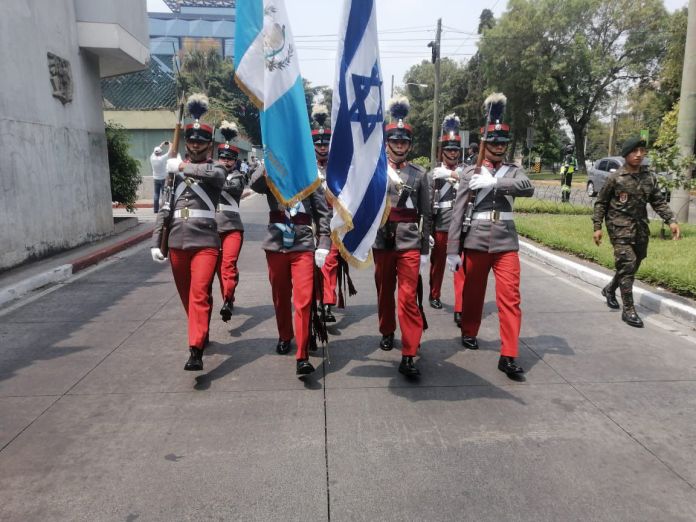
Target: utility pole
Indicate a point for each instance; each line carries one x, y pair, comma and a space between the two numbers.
686, 123
612, 129
436, 97
392, 87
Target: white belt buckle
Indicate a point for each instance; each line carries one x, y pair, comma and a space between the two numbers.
495, 216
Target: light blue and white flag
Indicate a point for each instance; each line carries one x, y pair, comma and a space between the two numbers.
267, 69
357, 168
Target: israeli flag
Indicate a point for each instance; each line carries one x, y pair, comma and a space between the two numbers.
356, 175
267, 70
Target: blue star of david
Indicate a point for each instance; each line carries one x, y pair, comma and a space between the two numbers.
358, 112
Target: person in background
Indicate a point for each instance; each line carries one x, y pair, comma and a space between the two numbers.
229, 221
158, 161
622, 204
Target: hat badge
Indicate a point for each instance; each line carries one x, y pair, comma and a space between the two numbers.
227, 146
400, 124
196, 125
498, 126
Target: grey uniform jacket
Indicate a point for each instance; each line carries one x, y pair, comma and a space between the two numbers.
227, 218
484, 234
410, 236
314, 205
444, 194
193, 232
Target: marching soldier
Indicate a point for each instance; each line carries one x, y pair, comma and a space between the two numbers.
570, 165
445, 179
401, 246
193, 239
291, 256
622, 203
229, 222
491, 240
321, 136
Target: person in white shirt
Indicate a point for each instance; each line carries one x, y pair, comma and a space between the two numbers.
158, 160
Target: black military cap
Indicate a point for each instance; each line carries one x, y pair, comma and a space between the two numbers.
631, 144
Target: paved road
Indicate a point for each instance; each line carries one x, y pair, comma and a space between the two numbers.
98, 421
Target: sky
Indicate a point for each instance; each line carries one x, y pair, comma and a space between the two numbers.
405, 27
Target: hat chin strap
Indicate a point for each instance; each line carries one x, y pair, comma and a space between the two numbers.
394, 156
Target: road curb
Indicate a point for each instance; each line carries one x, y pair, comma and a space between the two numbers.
655, 303
63, 272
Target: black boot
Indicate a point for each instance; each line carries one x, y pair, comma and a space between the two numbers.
283, 347
610, 296
408, 367
329, 317
507, 365
629, 315
387, 342
226, 311
470, 342
436, 303
195, 360
304, 367
458, 318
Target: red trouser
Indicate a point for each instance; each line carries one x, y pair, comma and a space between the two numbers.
438, 256
228, 275
194, 271
330, 271
458, 288
292, 277
506, 268
390, 266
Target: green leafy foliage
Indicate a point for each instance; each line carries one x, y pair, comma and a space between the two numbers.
665, 155
670, 264
209, 73
422, 161
123, 169
566, 56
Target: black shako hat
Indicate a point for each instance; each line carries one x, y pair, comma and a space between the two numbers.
631, 144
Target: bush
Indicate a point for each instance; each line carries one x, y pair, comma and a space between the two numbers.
545, 206
422, 161
123, 169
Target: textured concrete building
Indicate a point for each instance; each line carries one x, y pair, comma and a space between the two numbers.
54, 172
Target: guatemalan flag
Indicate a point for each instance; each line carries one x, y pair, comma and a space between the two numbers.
267, 70
356, 175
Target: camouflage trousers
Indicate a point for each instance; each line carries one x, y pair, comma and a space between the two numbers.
627, 259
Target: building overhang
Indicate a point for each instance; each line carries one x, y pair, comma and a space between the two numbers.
119, 51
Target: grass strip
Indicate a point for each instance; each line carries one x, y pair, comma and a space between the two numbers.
670, 264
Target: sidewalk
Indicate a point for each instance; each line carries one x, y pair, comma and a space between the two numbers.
130, 230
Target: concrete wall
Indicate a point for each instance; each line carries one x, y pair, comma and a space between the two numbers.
54, 177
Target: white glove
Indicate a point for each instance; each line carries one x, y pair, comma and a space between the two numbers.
431, 241
157, 255
482, 181
320, 256
173, 164
453, 262
441, 173
424, 264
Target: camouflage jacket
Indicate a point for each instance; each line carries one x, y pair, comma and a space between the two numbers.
623, 203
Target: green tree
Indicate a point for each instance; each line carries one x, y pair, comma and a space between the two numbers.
123, 169
574, 51
665, 155
209, 73
452, 97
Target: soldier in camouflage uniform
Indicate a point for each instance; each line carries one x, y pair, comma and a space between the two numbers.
622, 203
